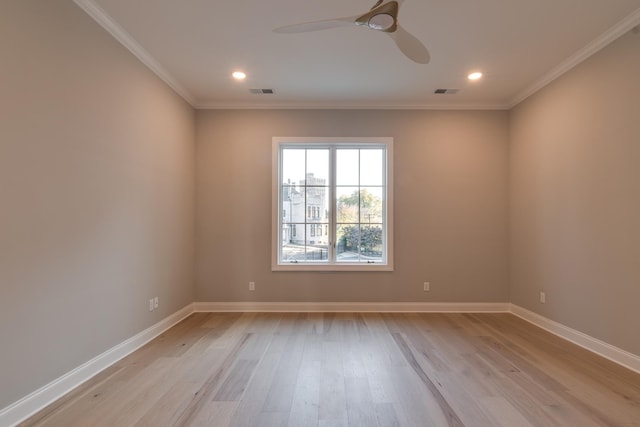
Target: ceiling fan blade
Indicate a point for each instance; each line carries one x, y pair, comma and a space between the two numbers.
316, 25
410, 46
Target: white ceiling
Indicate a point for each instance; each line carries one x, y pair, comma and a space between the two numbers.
194, 45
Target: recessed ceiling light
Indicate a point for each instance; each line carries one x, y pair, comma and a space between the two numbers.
239, 75
475, 75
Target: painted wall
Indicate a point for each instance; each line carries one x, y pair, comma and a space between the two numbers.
96, 194
98, 200
450, 206
575, 197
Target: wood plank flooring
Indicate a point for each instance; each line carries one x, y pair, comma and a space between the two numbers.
352, 369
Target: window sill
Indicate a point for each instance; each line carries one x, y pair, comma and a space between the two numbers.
332, 267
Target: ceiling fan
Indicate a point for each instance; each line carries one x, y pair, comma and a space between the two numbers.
383, 16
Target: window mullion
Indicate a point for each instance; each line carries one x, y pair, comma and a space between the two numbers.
306, 207
333, 229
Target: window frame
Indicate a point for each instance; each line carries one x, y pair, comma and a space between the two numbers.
278, 143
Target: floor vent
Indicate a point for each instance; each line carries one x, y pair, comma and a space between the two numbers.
447, 91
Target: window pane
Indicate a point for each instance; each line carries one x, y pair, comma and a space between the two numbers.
292, 208
371, 167
348, 239
371, 205
370, 243
347, 205
317, 204
317, 167
293, 166
293, 239
347, 167
317, 244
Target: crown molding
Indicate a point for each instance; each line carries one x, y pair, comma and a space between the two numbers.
608, 37
120, 34
307, 106
128, 41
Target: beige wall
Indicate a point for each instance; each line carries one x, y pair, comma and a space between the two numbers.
97, 199
96, 194
450, 206
575, 197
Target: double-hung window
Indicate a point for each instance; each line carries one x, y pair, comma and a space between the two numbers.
332, 204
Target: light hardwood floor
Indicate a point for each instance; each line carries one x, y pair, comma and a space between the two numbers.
350, 369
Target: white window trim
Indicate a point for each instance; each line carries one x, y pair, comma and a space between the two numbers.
275, 205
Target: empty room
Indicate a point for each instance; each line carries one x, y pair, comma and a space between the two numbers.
321, 213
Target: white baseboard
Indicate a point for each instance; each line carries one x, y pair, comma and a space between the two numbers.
357, 307
615, 354
39, 399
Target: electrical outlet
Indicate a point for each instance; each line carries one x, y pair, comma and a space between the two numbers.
543, 298
426, 286
155, 302
151, 304
252, 286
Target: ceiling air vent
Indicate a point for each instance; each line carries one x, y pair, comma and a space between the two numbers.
447, 91
261, 91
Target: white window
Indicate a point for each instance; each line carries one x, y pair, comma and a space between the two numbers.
343, 186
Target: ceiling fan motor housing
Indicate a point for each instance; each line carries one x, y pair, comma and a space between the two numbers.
381, 18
